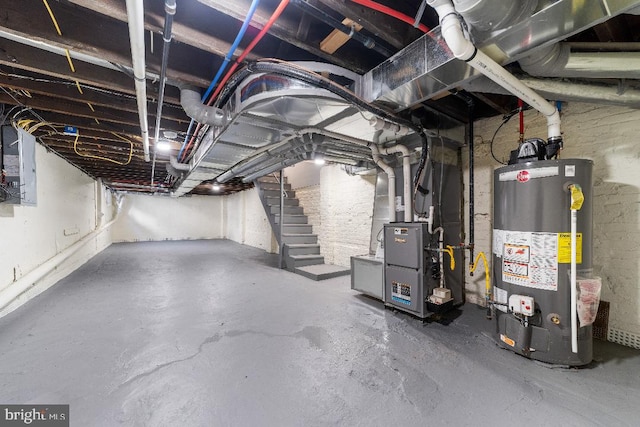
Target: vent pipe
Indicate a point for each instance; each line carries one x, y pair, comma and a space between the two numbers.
464, 50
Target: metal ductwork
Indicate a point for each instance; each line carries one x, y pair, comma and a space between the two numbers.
427, 67
568, 90
559, 60
269, 115
492, 15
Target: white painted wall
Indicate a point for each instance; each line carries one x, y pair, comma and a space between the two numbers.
303, 174
146, 218
246, 222
340, 208
609, 137
37, 239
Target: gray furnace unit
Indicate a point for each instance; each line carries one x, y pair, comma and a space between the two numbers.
536, 315
417, 274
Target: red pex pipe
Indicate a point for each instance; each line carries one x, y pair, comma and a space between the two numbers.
390, 12
276, 14
521, 114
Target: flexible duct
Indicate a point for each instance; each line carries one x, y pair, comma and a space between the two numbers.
464, 50
559, 61
192, 105
135, 16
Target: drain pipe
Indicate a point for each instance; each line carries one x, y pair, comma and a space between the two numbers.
170, 10
464, 50
135, 16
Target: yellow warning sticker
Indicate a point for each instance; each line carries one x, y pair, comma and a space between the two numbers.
505, 339
564, 248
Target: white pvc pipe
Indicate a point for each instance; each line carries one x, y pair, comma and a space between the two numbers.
391, 175
135, 16
464, 50
574, 291
406, 176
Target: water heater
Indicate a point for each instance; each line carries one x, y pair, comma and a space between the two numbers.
536, 314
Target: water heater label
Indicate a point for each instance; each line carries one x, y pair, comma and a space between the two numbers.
525, 175
564, 248
529, 259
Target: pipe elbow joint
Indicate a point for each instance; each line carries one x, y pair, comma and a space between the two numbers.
192, 105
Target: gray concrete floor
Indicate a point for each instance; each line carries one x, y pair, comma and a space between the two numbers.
209, 333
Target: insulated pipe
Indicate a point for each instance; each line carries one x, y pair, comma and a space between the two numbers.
135, 17
406, 176
464, 50
192, 105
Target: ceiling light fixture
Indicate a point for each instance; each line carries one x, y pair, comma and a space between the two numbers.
216, 187
163, 145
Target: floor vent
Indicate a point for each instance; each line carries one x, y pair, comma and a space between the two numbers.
623, 337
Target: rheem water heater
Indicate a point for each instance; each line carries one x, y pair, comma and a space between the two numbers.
533, 245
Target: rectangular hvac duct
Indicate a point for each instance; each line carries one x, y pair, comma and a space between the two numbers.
427, 68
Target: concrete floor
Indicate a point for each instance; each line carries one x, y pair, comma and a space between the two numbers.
208, 333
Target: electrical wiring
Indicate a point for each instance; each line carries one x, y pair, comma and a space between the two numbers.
91, 156
505, 119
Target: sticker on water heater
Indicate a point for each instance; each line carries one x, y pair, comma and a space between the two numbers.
530, 259
498, 239
517, 253
526, 175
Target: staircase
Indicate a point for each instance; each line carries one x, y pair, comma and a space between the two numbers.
299, 246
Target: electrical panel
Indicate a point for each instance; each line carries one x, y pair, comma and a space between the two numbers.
18, 179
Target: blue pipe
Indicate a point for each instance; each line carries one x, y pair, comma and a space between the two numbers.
223, 66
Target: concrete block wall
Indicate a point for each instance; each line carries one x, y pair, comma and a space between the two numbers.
608, 136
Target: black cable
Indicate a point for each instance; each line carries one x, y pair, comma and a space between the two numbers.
505, 119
